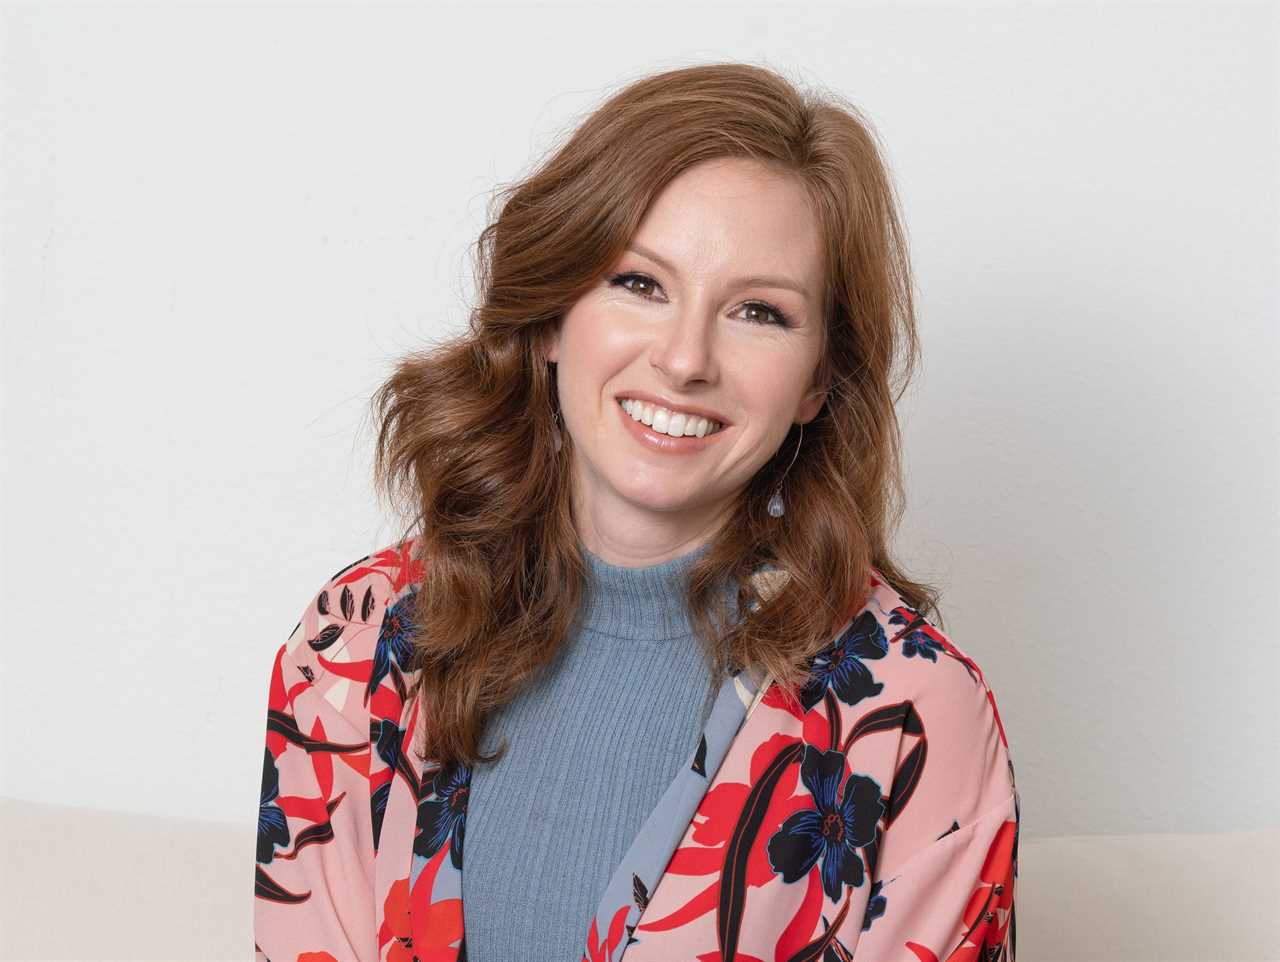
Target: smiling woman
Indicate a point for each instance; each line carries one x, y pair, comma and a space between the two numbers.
644, 647
699, 338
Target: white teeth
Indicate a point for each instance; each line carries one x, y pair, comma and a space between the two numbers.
673, 423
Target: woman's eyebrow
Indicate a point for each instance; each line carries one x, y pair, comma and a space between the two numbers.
758, 280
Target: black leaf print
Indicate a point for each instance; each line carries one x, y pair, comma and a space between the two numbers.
905, 780
314, 835
733, 877
307, 673
833, 718
326, 638
285, 724
639, 892
955, 827
348, 603
912, 723
322, 603
700, 757
888, 718
265, 887
366, 606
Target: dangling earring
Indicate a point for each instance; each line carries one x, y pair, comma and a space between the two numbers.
776, 507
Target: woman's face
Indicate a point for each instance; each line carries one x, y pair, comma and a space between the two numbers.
692, 312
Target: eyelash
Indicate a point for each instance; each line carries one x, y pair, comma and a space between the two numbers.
617, 280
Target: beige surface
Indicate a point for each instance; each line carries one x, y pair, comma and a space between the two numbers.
92, 885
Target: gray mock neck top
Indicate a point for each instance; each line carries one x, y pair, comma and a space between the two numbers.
638, 604
592, 745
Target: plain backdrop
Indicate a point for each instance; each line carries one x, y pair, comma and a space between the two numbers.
222, 225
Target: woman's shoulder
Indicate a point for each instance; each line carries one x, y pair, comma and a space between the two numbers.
888, 666
919, 662
354, 634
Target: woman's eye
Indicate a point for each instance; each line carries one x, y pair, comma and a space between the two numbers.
620, 280
760, 308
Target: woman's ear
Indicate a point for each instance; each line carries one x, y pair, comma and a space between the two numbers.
551, 341
812, 404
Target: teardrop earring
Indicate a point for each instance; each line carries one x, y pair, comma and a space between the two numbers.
559, 441
776, 507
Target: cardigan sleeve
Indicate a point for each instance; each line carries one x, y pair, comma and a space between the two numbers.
943, 883
952, 901
314, 884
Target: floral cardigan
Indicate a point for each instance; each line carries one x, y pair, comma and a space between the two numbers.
876, 821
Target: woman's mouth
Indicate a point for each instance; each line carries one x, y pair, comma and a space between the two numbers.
660, 440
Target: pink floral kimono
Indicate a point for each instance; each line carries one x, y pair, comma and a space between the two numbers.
878, 821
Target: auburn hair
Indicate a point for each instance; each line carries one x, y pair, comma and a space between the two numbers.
465, 435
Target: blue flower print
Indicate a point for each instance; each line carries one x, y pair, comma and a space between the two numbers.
919, 643
916, 641
832, 831
442, 812
386, 737
876, 904
839, 666
273, 829
393, 641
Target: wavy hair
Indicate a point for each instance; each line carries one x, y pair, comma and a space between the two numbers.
465, 440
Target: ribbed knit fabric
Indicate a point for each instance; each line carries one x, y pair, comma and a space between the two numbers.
592, 747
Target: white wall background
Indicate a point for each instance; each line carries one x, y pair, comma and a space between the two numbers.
221, 225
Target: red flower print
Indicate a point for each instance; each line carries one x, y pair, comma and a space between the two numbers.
714, 823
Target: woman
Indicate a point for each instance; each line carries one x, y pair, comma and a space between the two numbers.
644, 647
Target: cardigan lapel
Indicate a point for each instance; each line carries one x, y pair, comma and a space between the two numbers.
435, 910
637, 875
435, 875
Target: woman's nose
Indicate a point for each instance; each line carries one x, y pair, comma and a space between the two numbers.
686, 347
